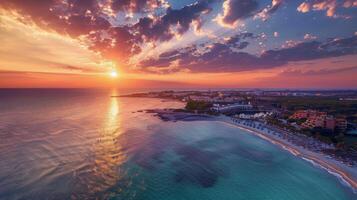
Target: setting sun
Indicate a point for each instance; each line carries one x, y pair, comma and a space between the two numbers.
114, 74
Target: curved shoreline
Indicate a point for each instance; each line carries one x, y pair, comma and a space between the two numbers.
334, 167
331, 167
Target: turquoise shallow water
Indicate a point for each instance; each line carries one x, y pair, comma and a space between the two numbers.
75, 144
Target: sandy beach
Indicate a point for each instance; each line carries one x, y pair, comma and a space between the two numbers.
347, 174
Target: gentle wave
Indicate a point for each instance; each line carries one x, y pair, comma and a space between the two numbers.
339, 177
298, 154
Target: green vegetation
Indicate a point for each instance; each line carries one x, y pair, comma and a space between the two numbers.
297, 121
328, 104
279, 123
326, 135
351, 141
199, 106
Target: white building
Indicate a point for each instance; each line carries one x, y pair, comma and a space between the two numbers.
254, 116
231, 107
200, 98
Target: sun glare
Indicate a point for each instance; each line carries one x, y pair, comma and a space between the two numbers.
114, 74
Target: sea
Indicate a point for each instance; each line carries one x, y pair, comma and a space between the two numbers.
59, 144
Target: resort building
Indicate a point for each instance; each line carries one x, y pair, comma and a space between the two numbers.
231, 107
321, 119
304, 114
330, 123
254, 116
341, 124
314, 121
314, 118
300, 114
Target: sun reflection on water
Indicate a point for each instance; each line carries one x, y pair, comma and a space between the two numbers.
108, 152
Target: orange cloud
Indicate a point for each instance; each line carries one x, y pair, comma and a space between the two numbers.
329, 6
27, 47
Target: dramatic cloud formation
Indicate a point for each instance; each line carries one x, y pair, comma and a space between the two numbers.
173, 22
74, 17
135, 6
329, 6
350, 3
227, 57
90, 19
233, 10
28, 48
167, 37
266, 12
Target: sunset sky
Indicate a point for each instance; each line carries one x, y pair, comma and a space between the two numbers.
178, 43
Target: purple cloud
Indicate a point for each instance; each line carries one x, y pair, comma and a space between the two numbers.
228, 56
160, 29
234, 10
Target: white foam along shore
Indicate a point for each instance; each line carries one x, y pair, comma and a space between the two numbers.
346, 174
